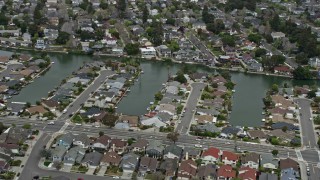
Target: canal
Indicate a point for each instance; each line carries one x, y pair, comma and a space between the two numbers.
247, 100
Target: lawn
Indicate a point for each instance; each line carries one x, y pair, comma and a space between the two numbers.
46, 163
113, 171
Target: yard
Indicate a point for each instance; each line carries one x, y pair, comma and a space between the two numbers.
81, 169
114, 171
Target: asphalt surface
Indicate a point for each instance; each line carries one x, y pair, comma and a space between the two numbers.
199, 44
31, 168
75, 105
308, 138
183, 127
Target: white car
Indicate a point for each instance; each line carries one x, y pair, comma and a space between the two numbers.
78, 124
116, 177
64, 111
311, 119
198, 145
51, 123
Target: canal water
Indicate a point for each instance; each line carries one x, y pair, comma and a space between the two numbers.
247, 100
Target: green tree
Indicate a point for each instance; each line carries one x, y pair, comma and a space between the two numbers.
3, 19
132, 49
173, 136
180, 78
228, 40
311, 94
45, 153
101, 133
158, 96
145, 14
256, 38
275, 152
275, 88
110, 120
62, 38
302, 73
260, 52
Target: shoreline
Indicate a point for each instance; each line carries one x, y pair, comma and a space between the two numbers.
173, 61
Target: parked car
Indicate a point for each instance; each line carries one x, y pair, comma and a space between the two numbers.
51, 123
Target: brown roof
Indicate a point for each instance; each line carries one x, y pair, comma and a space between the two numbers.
24, 57
141, 143
280, 134
100, 116
3, 88
37, 109
118, 143
149, 162
50, 103
285, 103
254, 157
103, 140
226, 171
218, 93
4, 59
129, 119
289, 163
282, 69
111, 157
187, 169
26, 72
230, 156
247, 173
278, 110
201, 119
218, 80
257, 134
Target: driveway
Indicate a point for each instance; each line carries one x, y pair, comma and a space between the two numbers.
102, 170
66, 168
126, 175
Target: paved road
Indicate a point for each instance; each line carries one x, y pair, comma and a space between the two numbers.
75, 106
199, 44
31, 168
307, 128
190, 107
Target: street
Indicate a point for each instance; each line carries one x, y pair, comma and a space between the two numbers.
207, 53
195, 94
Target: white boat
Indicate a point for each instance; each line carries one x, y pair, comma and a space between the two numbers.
128, 90
142, 72
267, 74
263, 113
151, 103
52, 62
233, 90
263, 120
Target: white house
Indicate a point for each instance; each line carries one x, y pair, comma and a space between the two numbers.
277, 35
148, 52
211, 155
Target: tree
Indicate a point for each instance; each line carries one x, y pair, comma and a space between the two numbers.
132, 49
228, 40
275, 88
45, 153
145, 14
256, 38
260, 52
3, 19
110, 120
180, 78
275, 152
62, 38
302, 73
122, 7
311, 94
173, 136
158, 96
101, 133
284, 128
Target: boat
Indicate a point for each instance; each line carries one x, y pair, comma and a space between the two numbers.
233, 90
263, 113
128, 90
52, 62
148, 109
142, 72
151, 103
263, 120
267, 74
163, 84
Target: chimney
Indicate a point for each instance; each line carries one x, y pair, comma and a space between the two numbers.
187, 156
113, 147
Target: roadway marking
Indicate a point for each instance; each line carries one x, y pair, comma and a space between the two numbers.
64, 127
299, 155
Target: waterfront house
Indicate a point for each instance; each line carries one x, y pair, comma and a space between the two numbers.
129, 162
173, 151
133, 121
257, 134
211, 155
50, 104
208, 171
229, 158
110, 159
37, 110
168, 108
148, 52
207, 128
169, 167
225, 172
92, 159
155, 149
148, 165
153, 121
251, 160
284, 70
163, 51
187, 170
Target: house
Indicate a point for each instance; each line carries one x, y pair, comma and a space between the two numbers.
110, 159
148, 52
92, 159
4, 59
50, 104
129, 162
118, 145
14, 135
230, 131
225, 172
257, 134
211, 155
197, 76
74, 155
268, 161
187, 169
208, 171
282, 70
168, 108
191, 153
133, 121
101, 142
58, 153
139, 146
4, 166
251, 160
289, 166
229, 158
37, 110
277, 35
82, 140
154, 121
65, 140
169, 167
207, 128
40, 44
155, 149
148, 164
173, 152
314, 62
203, 119
199, 25
247, 173
268, 176
163, 51
288, 174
